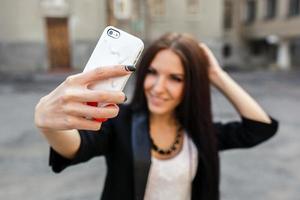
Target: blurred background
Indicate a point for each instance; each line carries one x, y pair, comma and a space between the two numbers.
44, 41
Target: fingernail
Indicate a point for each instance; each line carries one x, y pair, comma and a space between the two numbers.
130, 68
125, 98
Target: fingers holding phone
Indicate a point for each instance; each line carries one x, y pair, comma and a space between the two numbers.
85, 98
99, 74
65, 107
115, 47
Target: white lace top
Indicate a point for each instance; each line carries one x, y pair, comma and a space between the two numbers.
172, 178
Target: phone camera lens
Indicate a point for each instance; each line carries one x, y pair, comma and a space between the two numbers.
113, 33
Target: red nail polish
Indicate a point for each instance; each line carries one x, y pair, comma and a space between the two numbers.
95, 104
101, 119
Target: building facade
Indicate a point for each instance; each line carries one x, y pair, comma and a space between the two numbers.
262, 33
242, 33
24, 33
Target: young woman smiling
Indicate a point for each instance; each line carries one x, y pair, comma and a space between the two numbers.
164, 144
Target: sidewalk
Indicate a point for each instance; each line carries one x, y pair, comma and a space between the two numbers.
269, 171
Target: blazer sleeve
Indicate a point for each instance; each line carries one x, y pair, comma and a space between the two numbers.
93, 143
244, 134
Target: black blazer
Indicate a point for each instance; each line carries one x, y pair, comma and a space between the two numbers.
125, 143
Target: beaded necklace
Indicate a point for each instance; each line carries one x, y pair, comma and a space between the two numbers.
169, 150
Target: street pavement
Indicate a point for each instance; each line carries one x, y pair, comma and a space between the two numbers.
268, 171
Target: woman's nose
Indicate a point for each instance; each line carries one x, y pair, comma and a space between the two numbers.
159, 85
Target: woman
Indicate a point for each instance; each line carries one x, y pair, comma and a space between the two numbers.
163, 145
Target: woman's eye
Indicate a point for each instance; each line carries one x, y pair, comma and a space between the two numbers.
176, 78
151, 71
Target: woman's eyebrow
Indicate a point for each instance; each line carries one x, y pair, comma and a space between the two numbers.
177, 74
173, 74
151, 67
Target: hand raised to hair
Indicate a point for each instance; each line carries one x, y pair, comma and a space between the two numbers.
65, 107
214, 69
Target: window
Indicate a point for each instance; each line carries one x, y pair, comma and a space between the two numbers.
158, 7
271, 6
257, 47
227, 51
250, 11
122, 9
228, 13
295, 51
294, 7
192, 6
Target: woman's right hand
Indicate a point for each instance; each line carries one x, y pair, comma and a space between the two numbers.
65, 107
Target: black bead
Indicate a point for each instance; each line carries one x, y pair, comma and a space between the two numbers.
168, 152
161, 152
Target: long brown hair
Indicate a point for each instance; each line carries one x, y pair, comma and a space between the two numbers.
194, 112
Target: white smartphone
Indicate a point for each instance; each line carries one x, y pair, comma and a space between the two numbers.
115, 47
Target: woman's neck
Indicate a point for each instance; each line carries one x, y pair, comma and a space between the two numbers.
163, 120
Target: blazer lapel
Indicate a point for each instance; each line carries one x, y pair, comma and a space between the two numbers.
141, 153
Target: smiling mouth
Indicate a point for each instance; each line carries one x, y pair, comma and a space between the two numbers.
157, 100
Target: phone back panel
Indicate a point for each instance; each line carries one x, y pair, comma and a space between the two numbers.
124, 50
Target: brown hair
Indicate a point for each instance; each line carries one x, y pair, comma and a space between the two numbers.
194, 112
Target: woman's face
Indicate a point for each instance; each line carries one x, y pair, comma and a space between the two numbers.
164, 83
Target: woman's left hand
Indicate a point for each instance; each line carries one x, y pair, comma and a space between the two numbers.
240, 99
214, 69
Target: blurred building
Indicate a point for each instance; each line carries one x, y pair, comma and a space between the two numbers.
151, 18
262, 33
58, 34
25, 26
36, 34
